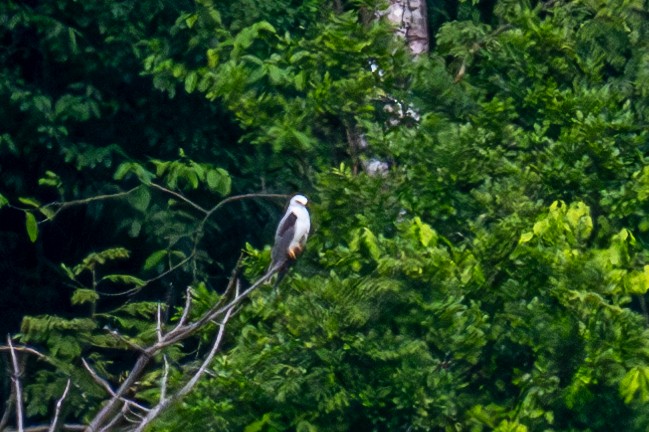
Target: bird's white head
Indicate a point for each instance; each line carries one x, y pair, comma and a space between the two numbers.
299, 199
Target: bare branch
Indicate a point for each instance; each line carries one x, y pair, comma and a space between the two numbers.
99, 380
45, 428
242, 197
165, 402
159, 323
102, 382
189, 329
180, 197
8, 407
114, 420
187, 308
110, 406
177, 334
59, 404
17, 385
165, 377
208, 360
23, 349
133, 346
182, 330
60, 206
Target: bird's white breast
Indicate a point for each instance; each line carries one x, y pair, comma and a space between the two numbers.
302, 224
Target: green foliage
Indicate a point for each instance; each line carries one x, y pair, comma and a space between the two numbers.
32, 226
495, 278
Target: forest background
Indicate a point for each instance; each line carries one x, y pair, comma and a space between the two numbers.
480, 215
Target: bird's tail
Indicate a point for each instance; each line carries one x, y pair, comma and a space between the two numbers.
280, 268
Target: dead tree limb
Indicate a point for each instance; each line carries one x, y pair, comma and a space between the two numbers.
59, 405
18, 391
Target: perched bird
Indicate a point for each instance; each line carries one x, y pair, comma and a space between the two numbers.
290, 237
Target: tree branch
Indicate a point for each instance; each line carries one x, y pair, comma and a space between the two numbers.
59, 404
17, 386
8, 407
116, 408
99, 380
46, 428
64, 205
179, 196
165, 402
24, 349
180, 332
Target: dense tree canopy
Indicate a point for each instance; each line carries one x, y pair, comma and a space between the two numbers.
493, 278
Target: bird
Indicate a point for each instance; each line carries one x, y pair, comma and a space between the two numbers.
290, 237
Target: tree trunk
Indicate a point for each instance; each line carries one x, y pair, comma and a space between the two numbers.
410, 18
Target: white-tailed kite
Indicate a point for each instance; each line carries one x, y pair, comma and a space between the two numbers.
291, 235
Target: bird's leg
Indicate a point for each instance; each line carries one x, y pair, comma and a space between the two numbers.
294, 252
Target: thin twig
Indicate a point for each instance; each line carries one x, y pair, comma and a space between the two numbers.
46, 428
64, 205
130, 415
165, 376
187, 308
208, 360
139, 288
24, 349
17, 385
179, 196
59, 405
99, 380
130, 344
8, 407
114, 420
159, 322
242, 197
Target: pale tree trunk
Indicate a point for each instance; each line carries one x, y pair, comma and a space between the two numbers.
410, 18
411, 21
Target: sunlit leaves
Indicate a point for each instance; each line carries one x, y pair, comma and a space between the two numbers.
137, 169
176, 174
635, 384
84, 295
32, 226
154, 259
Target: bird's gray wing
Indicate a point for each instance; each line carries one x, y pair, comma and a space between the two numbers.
286, 224
283, 239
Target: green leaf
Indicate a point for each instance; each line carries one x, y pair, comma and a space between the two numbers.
3, 201
125, 279
426, 234
140, 198
30, 202
154, 259
191, 20
371, 242
525, 237
218, 180
635, 381
637, 282
190, 81
138, 170
32, 226
84, 295
212, 57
